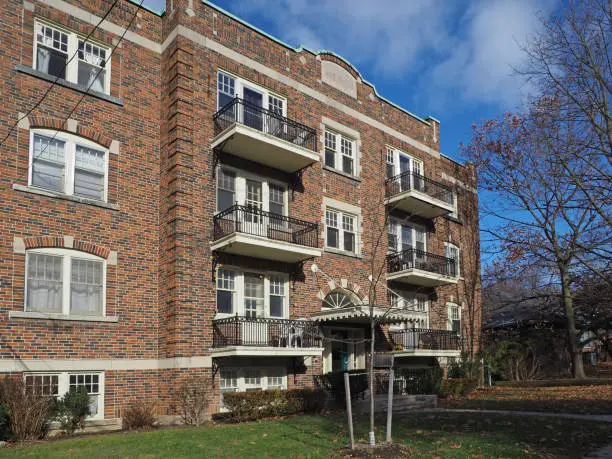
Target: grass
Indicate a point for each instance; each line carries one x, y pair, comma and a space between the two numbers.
563, 399
426, 435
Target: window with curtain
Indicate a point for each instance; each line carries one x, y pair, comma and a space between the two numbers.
65, 282
68, 164
340, 152
451, 252
63, 54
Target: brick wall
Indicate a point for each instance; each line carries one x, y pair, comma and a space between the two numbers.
161, 188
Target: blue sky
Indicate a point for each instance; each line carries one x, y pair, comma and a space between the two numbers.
451, 59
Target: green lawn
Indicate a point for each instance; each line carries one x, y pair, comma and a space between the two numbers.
454, 435
561, 399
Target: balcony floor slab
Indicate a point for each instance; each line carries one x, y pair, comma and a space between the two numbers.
265, 351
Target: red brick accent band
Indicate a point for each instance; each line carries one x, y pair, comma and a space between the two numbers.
59, 124
58, 241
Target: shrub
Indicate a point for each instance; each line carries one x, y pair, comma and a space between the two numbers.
71, 410
29, 413
422, 380
458, 387
193, 399
556, 382
138, 416
5, 424
249, 406
464, 368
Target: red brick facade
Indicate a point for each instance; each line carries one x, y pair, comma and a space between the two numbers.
155, 230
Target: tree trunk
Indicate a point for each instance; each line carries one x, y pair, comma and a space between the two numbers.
371, 374
573, 341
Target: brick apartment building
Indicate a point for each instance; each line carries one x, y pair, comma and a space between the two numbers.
196, 197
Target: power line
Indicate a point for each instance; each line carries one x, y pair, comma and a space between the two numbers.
57, 77
86, 92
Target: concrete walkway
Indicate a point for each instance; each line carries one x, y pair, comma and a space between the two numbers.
583, 417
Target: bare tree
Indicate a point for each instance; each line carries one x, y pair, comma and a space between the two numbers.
540, 216
569, 61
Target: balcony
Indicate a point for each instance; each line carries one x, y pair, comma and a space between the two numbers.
249, 231
425, 342
416, 267
252, 337
251, 132
418, 195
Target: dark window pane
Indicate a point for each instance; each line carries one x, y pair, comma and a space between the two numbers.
330, 158
332, 237
349, 242
51, 62
456, 326
225, 199
225, 99
276, 208
225, 302
347, 165
276, 306
389, 170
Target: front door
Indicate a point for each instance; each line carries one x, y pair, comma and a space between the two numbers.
344, 349
254, 203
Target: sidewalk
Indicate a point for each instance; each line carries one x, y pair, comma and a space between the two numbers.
584, 417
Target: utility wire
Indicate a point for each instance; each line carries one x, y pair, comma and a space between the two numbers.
92, 80
57, 77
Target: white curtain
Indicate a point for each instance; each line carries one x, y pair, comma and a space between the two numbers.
44, 283
43, 58
86, 287
91, 76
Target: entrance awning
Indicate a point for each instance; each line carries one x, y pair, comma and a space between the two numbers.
360, 314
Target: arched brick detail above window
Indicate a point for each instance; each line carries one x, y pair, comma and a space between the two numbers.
351, 289
66, 242
59, 124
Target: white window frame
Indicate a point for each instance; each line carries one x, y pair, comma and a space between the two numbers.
397, 225
340, 227
239, 292
395, 154
338, 151
67, 255
63, 386
447, 247
72, 68
241, 83
241, 386
240, 181
71, 142
449, 316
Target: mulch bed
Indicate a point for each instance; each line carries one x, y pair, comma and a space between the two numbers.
382, 450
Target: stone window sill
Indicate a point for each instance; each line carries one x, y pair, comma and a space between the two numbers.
342, 252
67, 84
343, 174
54, 194
53, 316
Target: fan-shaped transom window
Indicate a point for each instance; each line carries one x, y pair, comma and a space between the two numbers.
337, 300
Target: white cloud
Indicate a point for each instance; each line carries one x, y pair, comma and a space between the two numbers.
447, 49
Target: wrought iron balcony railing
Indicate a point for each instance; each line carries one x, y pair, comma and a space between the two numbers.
418, 259
407, 181
265, 332
256, 222
424, 338
269, 122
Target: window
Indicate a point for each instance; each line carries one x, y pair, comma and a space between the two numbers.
91, 383
65, 282
403, 236
410, 168
226, 189
452, 252
252, 380
42, 384
342, 237
225, 291
68, 164
54, 49
455, 213
58, 384
277, 296
454, 318
340, 152
230, 87
251, 294
234, 186
410, 301
254, 295
390, 163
